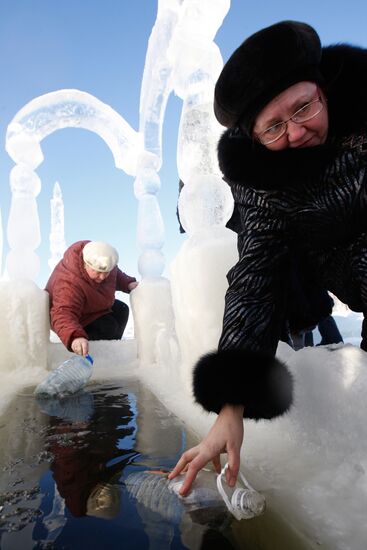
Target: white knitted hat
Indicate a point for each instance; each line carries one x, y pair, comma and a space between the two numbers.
100, 256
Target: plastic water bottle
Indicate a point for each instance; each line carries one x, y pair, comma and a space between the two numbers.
242, 501
203, 493
71, 376
155, 492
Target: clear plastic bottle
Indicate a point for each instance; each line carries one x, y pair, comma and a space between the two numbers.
203, 493
71, 376
242, 501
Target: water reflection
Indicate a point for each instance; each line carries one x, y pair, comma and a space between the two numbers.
89, 455
63, 481
162, 511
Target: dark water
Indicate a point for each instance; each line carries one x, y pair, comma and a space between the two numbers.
63, 467
66, 470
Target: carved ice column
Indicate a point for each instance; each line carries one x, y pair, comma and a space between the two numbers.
23, 225
155, 90
153, 312
205, 202
1, 245
57, 236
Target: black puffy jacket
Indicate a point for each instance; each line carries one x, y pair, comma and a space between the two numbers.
309, 202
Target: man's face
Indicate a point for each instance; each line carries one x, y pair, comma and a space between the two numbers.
96, 276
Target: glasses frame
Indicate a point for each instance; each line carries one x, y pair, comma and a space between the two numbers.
283, 123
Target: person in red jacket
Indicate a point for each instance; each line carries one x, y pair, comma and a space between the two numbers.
82, 295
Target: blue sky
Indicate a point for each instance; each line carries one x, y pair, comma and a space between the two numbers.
99, 46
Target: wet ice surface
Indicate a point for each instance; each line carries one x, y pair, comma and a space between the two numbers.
63, 471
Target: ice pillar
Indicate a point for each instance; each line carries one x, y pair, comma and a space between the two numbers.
23, 237
57, 236
155, 90
1, 244
205, 202
152, 302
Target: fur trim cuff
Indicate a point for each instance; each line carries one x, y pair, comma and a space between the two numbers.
242, 377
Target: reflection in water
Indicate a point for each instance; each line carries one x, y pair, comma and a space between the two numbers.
65, 466
90, 454
162, 510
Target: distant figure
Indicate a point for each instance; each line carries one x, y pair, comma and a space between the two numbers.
180, 186
309, 307
328, 330
82, 295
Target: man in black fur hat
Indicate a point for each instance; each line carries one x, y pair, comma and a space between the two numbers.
295, 156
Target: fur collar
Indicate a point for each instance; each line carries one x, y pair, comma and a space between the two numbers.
253, 165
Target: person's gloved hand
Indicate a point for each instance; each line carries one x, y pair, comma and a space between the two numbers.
80, 346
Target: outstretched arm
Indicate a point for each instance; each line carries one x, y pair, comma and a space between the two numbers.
254, 386
226, 435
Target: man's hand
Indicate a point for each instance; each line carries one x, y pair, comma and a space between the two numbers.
132, 285
80, 346
226, 435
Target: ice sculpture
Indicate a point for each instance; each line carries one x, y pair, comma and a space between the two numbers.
155, 90
71, 109
197, 63
206, 202
1, 244
57, 236
156, 87
24, 327
180, 56
156, 83
181, 46
36, 120
23, 224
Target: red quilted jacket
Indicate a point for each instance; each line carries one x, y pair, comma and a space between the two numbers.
75, 299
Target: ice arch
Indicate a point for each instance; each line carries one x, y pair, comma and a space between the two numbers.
37, 119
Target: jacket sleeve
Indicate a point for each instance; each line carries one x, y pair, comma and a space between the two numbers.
244, 370
255, 299
123, 280
66, 311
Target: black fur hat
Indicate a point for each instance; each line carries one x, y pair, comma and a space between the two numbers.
265, 64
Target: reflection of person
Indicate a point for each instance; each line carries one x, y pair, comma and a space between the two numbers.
82, 295
295, 157
89, 457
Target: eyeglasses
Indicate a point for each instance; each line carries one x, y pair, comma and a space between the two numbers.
305, 113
